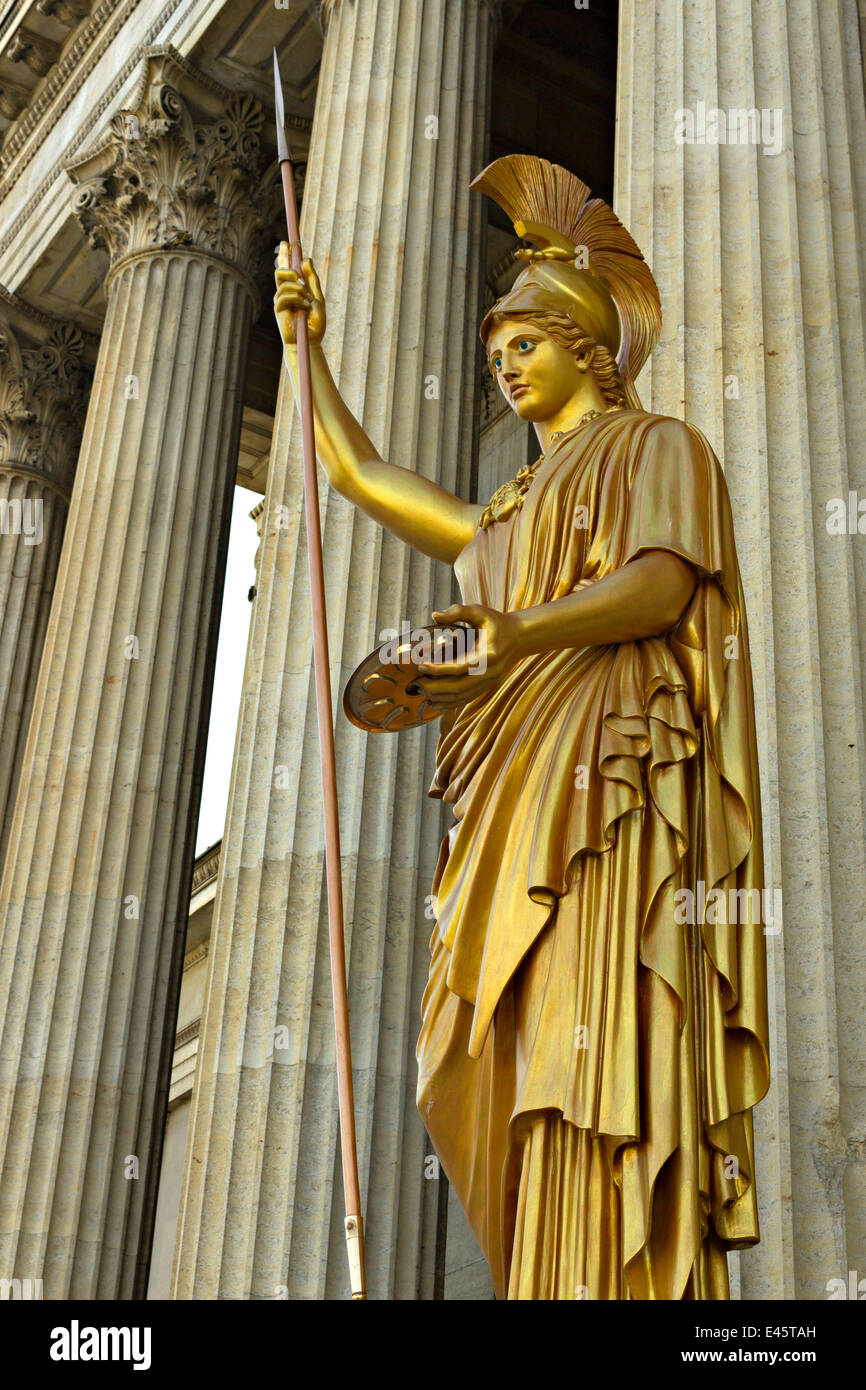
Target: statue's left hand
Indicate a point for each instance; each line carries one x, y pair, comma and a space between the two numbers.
497, 649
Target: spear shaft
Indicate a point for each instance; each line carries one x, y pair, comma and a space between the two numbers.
353, 1223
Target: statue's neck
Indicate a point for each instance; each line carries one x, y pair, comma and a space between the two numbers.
588, 397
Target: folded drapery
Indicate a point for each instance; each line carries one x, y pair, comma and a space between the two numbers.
587, 789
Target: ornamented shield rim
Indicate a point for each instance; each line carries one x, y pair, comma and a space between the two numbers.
378, 697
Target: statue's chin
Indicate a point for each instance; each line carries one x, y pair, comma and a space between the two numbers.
530, 408
531, 414
523, 407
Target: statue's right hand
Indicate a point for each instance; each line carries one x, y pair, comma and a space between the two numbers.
296, 292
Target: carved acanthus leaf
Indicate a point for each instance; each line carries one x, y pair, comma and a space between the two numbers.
43, 402
166, 181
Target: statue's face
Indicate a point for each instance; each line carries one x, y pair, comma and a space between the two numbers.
537, 376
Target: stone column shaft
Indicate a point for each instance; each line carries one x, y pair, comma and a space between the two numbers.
395, 233
758, 252
43, 394
27, 571
94, 900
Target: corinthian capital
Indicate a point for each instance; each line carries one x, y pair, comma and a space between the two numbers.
44, 389
183, 166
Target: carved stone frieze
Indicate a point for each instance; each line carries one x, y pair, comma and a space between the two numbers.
44, 391
176, 172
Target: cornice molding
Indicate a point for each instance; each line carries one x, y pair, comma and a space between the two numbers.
96, 28
25, 316
68, 86
206, 868
187, 1034
193, 957
72, 72
36, 324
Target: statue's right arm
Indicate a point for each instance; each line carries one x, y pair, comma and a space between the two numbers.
414, 508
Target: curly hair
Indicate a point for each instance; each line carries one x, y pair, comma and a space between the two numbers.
569, 335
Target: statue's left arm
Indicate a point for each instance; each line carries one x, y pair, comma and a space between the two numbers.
644, 598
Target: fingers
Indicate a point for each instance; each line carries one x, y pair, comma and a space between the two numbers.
292, 294
293, 279
462, 613
285, 273
442, 700
463, 687
313, 280
439, 669
434, 689
290, 297
448, 701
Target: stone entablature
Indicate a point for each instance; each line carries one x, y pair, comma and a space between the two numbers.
34, 37
68, 109
206, 867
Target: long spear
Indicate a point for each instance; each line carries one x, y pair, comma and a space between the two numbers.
351, 1188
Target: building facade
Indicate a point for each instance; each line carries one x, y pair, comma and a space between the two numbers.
168, 1122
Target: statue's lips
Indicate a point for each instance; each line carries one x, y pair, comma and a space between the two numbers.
519, 390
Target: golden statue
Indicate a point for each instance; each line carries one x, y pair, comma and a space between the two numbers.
591, 1049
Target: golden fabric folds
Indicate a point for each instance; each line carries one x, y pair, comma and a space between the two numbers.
588, 1062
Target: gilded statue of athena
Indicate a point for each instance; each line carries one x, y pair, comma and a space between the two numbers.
589, 1054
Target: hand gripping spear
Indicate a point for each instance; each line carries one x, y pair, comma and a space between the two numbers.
351, 1188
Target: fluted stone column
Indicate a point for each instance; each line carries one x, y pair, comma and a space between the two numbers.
44, 387
759, 260
94, 900
388, 217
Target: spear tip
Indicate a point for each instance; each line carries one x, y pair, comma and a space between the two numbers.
283, 150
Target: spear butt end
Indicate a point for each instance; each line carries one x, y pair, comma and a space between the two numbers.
354, 1227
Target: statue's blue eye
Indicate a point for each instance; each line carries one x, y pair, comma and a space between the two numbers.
524, 344
497, 363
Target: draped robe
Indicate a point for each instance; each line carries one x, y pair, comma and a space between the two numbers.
588, 1061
